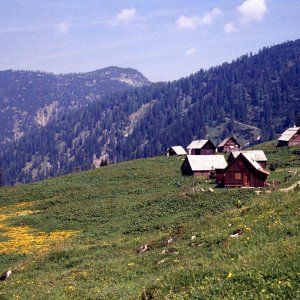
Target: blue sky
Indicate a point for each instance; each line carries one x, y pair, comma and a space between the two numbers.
163, 39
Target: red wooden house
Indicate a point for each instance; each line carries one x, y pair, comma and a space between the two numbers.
228, 145
243, 171
201, 147
257, 155
202, 165
290, 137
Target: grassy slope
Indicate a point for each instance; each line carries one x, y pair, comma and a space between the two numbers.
285, 157
121, 207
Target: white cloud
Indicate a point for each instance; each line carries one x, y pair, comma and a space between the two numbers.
188, 22
194, 22
191, 52
209, 17
229, 27
63, 27
126, 16
252, 10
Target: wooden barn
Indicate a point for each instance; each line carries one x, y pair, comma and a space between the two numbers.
290, 137
243, 171
228, 145
257, 155
176, 151
202, 165
201, 147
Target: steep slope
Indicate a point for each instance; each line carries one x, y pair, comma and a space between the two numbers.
254, 97
31, 99
77, 237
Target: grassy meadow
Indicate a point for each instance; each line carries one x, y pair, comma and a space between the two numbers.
76, 237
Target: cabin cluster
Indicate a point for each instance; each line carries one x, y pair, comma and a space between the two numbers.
241, 169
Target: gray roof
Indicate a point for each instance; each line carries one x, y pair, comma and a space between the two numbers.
288, 134
257, 166
179, 150
206, 162
256, 155
198, 144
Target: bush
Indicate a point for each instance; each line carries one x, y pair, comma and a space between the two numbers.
212, 175
296, 152
273, 166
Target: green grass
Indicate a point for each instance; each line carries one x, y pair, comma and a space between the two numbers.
284, 157
118, 208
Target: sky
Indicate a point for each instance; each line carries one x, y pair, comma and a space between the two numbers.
163, 39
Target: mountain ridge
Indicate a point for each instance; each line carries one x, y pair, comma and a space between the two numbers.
255, 96
29, 99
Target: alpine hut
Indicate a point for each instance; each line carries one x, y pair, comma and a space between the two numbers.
243, 171
201, 147
202, 165
228, 145
257, 155
176, 151
290, 137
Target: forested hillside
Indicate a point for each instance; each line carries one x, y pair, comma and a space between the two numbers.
254, 97
29, 100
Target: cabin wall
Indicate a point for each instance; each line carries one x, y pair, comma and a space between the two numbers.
242, 173
263, 164
282, 143
186, 168
202, 151
201, 173
295, 140
220, 176
230, 147
171, 152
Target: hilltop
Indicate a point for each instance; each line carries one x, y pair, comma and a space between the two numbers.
31, 99
78, 236
255, 97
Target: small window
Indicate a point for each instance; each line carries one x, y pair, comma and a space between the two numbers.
238, 176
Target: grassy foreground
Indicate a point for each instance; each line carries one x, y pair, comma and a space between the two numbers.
75, 237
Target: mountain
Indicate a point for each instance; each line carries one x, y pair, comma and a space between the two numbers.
29, 100
254, 98
77, 236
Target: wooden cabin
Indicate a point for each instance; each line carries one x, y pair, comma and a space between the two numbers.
290, 137
257, 155
202, 165
228, 145
201, 147
243, 171
176, 151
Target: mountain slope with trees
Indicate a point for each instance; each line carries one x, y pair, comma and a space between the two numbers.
255, 97
29, 100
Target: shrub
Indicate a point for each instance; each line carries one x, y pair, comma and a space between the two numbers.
273, 166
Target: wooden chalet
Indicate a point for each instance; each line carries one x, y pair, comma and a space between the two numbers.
202, 165
290, 137
257, 155
228, 145
243, 171
176, 151
201, 147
